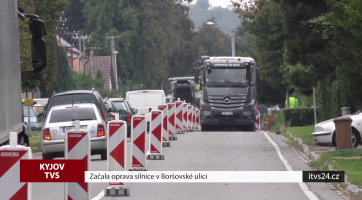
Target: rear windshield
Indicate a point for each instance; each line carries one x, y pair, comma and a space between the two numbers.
120, 105
73, 99
71, 114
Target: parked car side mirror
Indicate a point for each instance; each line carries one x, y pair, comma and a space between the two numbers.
134, 110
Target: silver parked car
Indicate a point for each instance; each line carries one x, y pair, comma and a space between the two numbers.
324, 132
61, 118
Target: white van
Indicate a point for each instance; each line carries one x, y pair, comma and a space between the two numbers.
145, 101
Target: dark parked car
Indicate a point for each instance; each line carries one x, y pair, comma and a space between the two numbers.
112, 110
121, 104
76, 97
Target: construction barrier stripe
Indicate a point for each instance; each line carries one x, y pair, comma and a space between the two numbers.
78, 147
117, 151
197, 119
257, 121
189, 117
138, 141
184, 119
156, 132
178, 115
171, 119
164, 109
10, 185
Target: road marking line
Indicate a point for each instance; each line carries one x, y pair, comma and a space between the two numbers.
99, 196
302, 185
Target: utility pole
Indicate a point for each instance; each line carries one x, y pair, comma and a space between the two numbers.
72, 44
92, 58
114, 66
82, 37
233, 43
314, 107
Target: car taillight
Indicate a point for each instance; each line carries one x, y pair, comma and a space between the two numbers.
129, 117
100, 131
46, 134
104, 116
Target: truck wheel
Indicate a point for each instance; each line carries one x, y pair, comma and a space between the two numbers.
47, 156
104, 155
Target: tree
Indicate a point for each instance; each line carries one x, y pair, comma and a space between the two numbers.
202, 4
264, 20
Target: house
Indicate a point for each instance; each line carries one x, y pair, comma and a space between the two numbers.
103, 63
76, 58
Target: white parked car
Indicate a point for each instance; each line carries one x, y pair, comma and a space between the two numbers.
324, 132
61, 118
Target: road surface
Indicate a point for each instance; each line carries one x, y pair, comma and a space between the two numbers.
212, 151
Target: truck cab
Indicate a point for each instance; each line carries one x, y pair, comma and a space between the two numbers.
229, 88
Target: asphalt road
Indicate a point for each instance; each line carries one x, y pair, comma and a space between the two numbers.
212, 151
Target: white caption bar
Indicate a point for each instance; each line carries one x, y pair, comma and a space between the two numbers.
195, 176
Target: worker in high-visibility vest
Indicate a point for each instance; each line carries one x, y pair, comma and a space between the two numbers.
293, 102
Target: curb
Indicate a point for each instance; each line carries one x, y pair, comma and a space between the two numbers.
314, 156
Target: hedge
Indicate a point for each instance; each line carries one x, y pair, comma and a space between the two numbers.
297, 116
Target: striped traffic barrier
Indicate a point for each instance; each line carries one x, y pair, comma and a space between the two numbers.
178, 124
10, 156
77, 146
171, 120
165, 135
184, 118
257, 120
193, 118
197, 120
189, 117
155, 144
138, 137
117, 155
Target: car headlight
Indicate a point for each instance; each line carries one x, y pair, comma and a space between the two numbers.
318, 128
247, 113
206, 113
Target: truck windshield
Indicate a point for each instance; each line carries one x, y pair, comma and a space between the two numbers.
222, 75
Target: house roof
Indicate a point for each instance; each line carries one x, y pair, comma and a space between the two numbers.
67, 44
103, 63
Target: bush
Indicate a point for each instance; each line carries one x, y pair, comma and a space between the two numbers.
298, 116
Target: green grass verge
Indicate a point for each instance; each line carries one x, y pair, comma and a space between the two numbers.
303, 132
35, 141
351, 165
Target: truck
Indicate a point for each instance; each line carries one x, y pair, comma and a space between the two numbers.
11, 109
229, 89
182, 88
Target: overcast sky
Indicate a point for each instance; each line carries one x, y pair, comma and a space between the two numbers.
216, 3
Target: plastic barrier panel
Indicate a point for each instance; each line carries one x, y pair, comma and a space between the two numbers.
10, 156
117, 155
155, 136
179, 109
77, 146
138, 137
165, 134
171, 120
197, 120
184, 119
189, 117
257, 120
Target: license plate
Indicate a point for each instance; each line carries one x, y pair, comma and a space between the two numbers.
71, 128
227, 113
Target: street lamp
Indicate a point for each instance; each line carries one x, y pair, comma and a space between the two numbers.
232, 37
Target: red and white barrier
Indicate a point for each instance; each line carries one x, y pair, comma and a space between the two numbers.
155, 150
117, 154
189, 117
77, 146
138, 137
197, 120
165, 135
184, 118
171, 120
193, 118
10, 156
179, 112
257, 120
